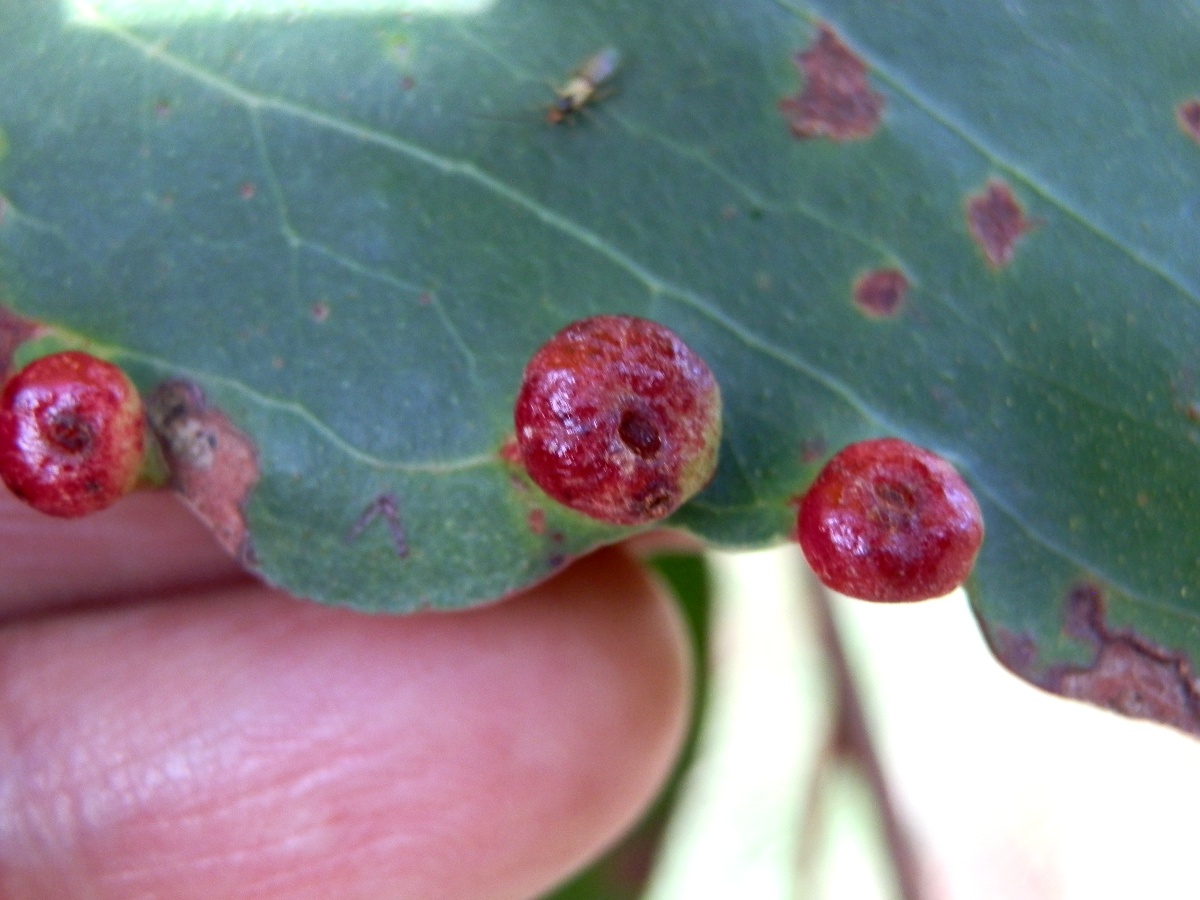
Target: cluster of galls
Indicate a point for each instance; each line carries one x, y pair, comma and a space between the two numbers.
617, 418
620, 420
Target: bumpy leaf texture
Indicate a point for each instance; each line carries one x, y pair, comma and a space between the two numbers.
330, 240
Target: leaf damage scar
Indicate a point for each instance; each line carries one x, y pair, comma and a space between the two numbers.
880, 293
996, 222
212, 464
387, 507
1128, 674
836, 101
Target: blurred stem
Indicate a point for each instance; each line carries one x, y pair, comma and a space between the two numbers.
851, 740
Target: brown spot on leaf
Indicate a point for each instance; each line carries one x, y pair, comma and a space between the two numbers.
836, 101
1128, 674
1187, 114
247, 190
319, 311
880, 294
997, 222
537, 521
212, 464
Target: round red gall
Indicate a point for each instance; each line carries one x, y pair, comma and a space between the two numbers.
617, 418
889, 521
72, 434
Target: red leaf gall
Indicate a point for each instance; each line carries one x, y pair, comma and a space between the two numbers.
72, 434
886, 520
618, 419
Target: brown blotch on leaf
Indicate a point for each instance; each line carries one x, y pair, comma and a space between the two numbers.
537, 521
836, 101
880, 294
997, 222
1128, 674
212, 464
1187, 114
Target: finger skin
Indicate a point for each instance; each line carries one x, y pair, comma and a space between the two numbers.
246, 744
149, 542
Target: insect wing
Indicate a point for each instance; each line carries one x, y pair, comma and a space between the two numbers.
600, 66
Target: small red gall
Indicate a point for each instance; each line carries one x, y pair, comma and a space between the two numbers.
617, 418
888, 521
72, 434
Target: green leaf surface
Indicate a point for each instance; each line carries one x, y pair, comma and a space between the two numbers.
351, 231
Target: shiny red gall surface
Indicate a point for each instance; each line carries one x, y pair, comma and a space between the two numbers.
618, 419
889, 521
71, 434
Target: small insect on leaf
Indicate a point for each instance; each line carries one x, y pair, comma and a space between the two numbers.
584, 86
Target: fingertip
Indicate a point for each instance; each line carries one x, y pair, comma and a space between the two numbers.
249, 742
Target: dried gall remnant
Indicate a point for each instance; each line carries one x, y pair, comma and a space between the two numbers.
212, 464
997, 222
836, 101
880, 294
1187, 114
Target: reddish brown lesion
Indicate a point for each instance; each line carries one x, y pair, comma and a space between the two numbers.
1187, 116
836, 102
880, 293
1127, 674
212, 464
997, 222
